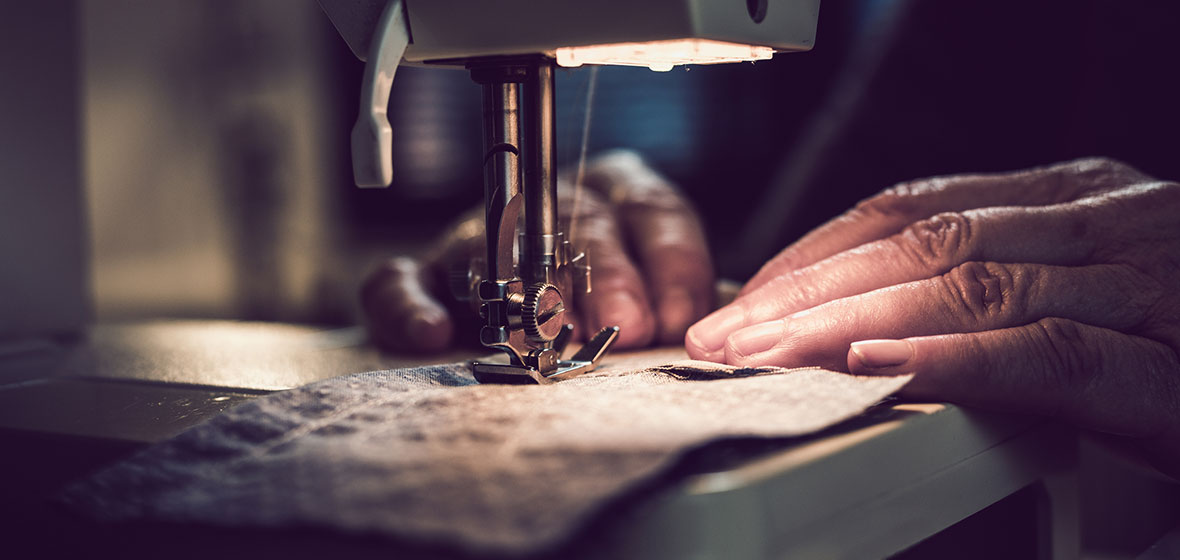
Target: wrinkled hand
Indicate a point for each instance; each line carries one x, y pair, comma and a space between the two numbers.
651, 271
1054, 291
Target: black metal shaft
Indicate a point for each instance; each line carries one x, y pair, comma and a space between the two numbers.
540, 180
501, 125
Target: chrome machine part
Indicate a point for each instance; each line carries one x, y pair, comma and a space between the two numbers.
522, 300
583, 361
542, 313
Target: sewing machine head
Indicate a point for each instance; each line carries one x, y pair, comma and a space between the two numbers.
511, 48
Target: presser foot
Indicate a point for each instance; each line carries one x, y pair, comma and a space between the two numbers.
543, 366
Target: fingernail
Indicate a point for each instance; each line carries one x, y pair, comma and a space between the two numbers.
712, 331
882, 353
758, 338
676, 311
618, 309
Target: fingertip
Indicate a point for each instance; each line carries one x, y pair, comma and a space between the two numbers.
733, 356
708, 336
697, 351
889, 358
857, 366
623, 309
429, 329
879, 356
400, 313
692, 345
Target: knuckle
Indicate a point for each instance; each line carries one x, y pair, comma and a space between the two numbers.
1169, 191
905, 198
610, 263
617, 158
1149, 197
1165, 195
990, 293
598, 234
680, 258
655, 197
625, 179
1104, 165
586, 205
938, 242
1141, 298
1115, 239
898, 200
781, 265
1098, 173
1065, 354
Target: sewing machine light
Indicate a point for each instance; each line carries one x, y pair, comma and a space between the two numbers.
658, 34
662, 56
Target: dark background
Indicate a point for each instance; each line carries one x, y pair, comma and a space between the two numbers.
215, 137
894, 90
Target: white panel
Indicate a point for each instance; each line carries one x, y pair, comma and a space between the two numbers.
461, 28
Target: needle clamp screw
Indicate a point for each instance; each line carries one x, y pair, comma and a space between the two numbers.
542, 312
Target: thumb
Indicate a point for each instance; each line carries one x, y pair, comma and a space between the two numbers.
401, 313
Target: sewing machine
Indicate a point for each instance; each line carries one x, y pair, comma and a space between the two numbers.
874, 487
524, 285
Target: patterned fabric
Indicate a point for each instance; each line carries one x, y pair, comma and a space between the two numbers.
427, 455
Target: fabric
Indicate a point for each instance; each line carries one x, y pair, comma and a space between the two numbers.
428, 455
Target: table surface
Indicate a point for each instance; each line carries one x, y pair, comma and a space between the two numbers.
138, 383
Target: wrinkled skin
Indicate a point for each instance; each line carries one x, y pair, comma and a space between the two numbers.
1054, 291
651, 271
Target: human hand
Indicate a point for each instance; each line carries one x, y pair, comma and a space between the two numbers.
651, 270
1053, 291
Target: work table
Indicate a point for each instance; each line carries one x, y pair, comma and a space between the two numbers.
870, 487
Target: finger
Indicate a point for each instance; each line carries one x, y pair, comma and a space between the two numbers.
667, 239
400, 312
1097, 378
619, 296
1056, 235
973, 297
892, 210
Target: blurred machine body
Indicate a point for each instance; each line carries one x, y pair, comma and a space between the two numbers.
524, 282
